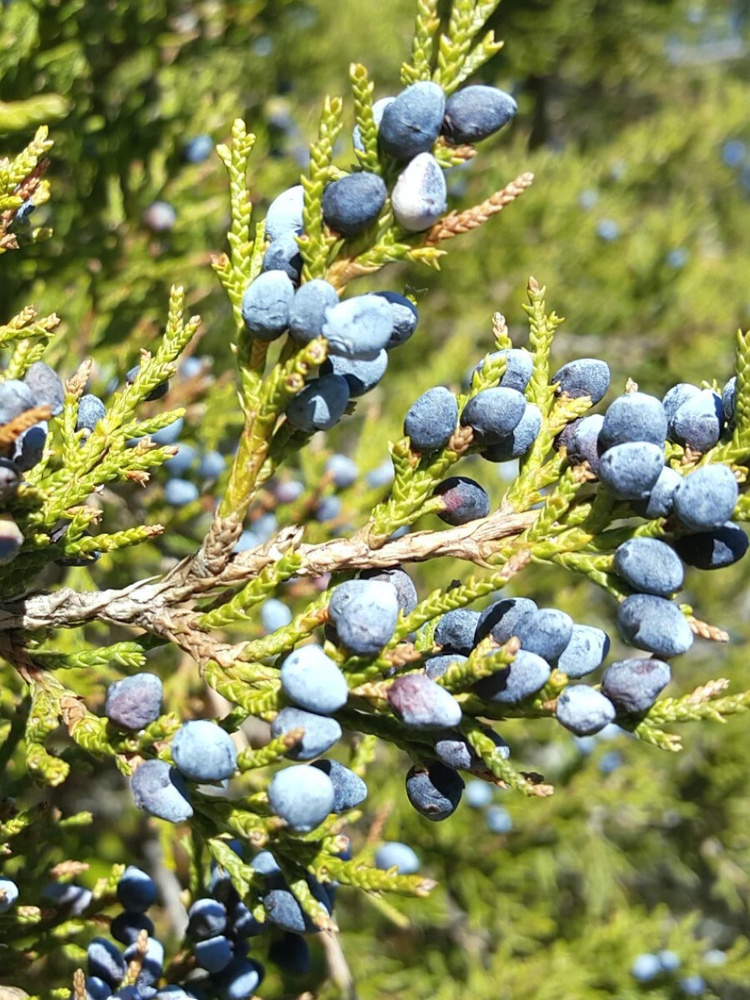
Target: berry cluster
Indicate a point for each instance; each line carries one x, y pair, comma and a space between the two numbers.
360, 331
217, 936
517, 650
108, 966
625, 447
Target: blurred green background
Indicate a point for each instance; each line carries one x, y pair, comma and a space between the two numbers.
634, 118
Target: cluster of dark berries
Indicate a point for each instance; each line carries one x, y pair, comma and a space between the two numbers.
201, 751
503, 423
625, 448
360, 331
108, 964
408, 127
217, 932
218, 929
548, 638
41, 386
220, 925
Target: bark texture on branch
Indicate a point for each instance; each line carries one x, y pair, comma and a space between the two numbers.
163, 605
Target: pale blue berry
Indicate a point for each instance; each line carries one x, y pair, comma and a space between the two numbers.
274, 614
180, 492
420, 703
420, 197
285, 213
654, 624
583, 710
520, 439
302, 796
587, 650
634, 416
364, 613
493, 414
650, 566
698, 423
527, 674
706, 497
677, 396
394, 854
133, 703
361, 374
267, 303
342, 470
500, 619
313, 681
359, 327
583, 377
431, 420
203, 751
160, 217
478, 794
198, 149
634, 685
320, 732
46, 386
630, 470
307, 314
349, 790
